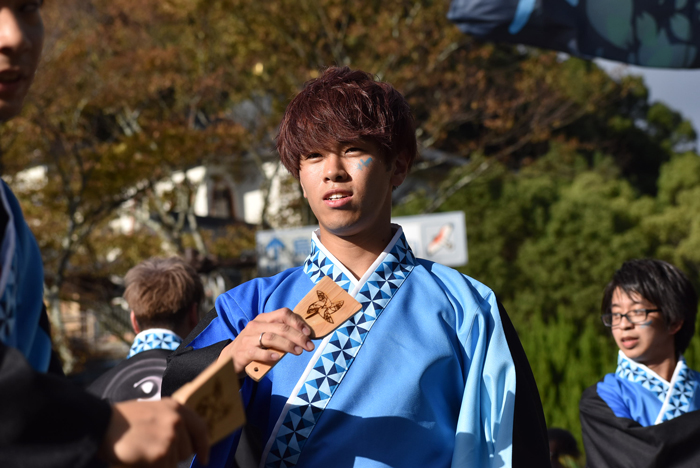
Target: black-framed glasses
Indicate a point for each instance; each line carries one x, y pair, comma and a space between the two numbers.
633, 316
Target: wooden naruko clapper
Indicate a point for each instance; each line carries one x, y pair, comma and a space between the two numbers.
214, 396
326, 307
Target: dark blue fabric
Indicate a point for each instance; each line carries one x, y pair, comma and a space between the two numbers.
648, 33
26, 293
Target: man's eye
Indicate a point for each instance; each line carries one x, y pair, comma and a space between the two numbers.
638, 312
616, 315
312, 156
353, 150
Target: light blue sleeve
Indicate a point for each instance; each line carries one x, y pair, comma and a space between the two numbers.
484, 435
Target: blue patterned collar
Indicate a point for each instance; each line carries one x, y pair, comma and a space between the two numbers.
633, 371
154, 338
395, 262
675, 396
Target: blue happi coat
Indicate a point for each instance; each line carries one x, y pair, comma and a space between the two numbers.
636, 392
423, 375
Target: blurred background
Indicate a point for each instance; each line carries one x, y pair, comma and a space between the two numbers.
150, 131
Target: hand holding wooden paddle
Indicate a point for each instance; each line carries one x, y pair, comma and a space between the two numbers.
214, 394
324, 308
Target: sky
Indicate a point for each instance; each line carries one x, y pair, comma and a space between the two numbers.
679, 89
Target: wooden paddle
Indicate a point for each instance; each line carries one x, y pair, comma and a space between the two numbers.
326, 307
213, 395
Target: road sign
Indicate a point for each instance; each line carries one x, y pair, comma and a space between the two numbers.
439, 237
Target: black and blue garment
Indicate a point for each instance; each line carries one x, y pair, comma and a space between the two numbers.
140, 376
635, 407
45, 421
428, 373
650, 33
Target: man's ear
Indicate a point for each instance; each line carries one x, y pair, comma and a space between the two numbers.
675, 328
399, 169
303, 190
135, 323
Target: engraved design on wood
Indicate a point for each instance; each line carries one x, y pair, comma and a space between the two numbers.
213, 408
324, 307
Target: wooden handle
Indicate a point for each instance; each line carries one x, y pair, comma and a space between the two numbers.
257, 370
326, 307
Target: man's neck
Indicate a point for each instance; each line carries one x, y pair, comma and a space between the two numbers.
664, 368
357, 253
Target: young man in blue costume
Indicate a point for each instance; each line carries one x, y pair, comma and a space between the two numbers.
45, 421
645, 414
429, 373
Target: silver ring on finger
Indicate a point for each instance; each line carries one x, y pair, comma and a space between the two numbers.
260, 341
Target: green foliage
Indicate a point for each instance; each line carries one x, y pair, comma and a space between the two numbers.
548, 238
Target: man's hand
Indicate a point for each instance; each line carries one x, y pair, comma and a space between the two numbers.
154, 434
280, 330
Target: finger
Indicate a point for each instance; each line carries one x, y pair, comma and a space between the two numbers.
284, 338
268, 356
198, 434
286, 316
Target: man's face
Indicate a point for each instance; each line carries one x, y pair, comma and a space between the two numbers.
647, 343
349, 187
21, 40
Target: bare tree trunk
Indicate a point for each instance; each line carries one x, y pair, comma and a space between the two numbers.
60, 342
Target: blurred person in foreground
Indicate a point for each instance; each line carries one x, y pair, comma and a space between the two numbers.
430, 372
164, 295
45, 421
645, 414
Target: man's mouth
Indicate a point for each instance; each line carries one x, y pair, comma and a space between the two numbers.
336, 196
10, 76
629, 341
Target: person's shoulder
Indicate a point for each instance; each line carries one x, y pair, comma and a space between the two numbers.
609, 385
257, 289
264, 282
454, 282
136, 377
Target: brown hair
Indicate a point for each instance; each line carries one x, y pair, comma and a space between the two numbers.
343, 105
161, 291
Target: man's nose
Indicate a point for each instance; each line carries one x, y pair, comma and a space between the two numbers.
12, 35
625, 322
334, 168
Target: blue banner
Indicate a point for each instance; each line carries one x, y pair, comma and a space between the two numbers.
649, 33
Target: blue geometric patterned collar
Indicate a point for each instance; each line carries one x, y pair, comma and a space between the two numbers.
675, 396
397, 256
633, 371
154, 338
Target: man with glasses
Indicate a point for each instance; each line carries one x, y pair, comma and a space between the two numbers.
642, 415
